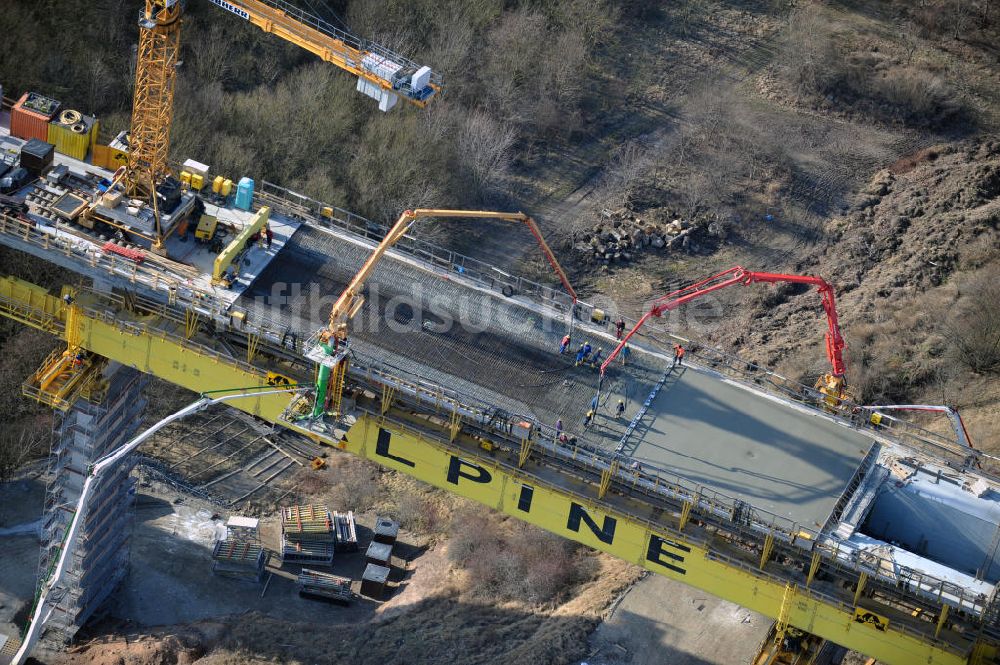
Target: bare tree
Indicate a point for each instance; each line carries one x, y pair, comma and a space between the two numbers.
17, 446
628, 164
484, 148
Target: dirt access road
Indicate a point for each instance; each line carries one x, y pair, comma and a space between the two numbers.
663, 621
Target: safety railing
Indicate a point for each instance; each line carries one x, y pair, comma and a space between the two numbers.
892, 572
927, 583
323, 215
902, 431
586, 458
90, 253
945, 641
311, 211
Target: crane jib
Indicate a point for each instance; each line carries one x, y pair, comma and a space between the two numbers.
242, 13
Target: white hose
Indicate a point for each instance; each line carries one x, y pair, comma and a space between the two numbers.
41, 614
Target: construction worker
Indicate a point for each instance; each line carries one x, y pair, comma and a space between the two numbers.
619, 328
596, 360
558, 426
589, 418
268, 236
583, 353
564, 345
620, 409
625, 354
678, 356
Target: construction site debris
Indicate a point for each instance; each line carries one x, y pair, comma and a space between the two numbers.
345, 532
240, 555
621, 235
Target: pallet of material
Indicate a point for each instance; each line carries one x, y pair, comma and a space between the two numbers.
318, 552
345, 532
314, 584
306, 521
239, 558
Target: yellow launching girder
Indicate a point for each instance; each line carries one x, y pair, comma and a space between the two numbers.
566, 504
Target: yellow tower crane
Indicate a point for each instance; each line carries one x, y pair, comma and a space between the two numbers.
382, 75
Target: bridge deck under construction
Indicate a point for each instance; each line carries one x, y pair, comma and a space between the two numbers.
504, 352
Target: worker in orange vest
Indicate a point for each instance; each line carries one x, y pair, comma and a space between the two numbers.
678, 355
564, 344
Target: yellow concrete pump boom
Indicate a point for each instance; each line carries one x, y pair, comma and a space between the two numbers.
331, 353
350, 299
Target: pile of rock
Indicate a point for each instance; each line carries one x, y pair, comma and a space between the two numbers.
621, 235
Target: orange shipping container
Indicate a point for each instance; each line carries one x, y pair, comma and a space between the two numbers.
29, 118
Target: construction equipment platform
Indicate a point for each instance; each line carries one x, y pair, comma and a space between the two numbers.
504, 351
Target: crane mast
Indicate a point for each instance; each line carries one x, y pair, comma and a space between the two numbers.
153, 102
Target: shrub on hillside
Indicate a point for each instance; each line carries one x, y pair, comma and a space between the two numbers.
975, 329
509, 560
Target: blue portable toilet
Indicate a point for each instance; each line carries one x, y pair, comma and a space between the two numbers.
244, 193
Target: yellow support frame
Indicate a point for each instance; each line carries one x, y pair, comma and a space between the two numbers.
765, 552
233, 249
525, 451
607, 475
685, 515
813, 568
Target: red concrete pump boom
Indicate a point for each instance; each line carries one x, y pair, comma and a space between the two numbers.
834, 340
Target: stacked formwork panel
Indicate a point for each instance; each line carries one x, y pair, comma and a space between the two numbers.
99, 560
239, 558
240, 555
307, 535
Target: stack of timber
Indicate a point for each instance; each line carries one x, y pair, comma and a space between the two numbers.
307, 535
